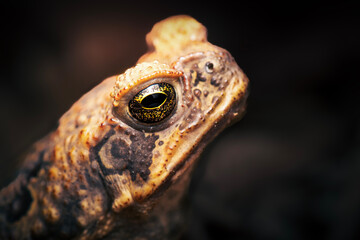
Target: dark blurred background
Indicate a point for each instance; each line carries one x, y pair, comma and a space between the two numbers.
289, 170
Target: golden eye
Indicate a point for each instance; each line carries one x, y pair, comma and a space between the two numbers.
154, 103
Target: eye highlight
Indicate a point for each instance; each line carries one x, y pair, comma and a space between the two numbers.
154, 103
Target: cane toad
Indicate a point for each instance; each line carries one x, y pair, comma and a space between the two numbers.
120, 161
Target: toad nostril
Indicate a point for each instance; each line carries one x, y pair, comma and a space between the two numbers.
209, 67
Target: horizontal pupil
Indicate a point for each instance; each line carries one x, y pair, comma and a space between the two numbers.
154, 100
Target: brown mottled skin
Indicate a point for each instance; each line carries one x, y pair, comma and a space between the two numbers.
103, 174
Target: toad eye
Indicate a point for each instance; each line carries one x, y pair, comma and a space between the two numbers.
154, 103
